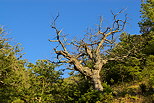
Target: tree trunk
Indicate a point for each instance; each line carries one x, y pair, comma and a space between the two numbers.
96, 81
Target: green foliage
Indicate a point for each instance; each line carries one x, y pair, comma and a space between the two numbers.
148, 71
18, 101
80, 91
96, 97
149, 47
147, 25
132, 45
73, 91
147, 10
18, 84
127, 70
12, 73
44, 80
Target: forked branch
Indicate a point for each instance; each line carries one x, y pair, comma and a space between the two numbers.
90, 51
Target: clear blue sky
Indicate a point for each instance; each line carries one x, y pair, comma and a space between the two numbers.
28, 21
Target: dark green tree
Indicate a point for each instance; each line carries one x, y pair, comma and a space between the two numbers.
129, 68
147, 25
13, 77
45, 81
147, 11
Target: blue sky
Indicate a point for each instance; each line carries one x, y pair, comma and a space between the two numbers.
28, 21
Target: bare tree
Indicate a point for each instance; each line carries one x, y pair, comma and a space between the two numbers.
92, 49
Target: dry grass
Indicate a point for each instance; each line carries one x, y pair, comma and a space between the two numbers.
131, 93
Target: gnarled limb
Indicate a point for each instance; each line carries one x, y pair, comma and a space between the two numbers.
90, 51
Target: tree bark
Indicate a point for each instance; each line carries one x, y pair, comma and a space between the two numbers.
97, 84
96, 80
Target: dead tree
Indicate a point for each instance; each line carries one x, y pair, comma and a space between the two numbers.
94, 50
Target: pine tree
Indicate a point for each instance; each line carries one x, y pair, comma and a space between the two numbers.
147, 11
